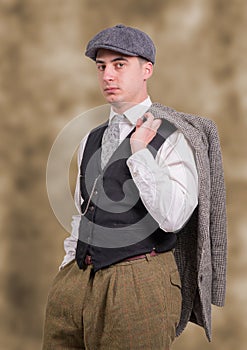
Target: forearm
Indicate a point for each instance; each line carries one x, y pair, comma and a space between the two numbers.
168, 185
70, 242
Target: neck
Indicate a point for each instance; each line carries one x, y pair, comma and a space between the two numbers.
121, 107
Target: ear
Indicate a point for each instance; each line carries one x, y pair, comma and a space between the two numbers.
148, 70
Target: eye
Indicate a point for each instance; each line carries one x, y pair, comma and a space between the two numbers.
120, 65
101, 67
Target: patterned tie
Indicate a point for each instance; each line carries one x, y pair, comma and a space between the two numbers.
110, 140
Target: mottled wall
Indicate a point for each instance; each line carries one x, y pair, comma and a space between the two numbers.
45, 82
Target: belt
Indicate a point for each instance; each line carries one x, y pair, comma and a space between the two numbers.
88, 259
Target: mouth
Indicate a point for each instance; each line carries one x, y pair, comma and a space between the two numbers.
110, 89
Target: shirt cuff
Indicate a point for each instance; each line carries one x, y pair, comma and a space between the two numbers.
143, 155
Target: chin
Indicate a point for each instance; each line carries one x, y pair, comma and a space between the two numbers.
113, 99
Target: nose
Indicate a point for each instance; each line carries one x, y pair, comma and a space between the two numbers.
108, 73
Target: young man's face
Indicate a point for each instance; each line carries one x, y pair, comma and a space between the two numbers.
122, 79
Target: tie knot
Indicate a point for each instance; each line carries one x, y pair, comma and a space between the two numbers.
117, 118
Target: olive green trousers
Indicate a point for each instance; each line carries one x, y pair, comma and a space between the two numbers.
130, 305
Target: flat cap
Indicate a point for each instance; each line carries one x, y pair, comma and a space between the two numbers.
126, 40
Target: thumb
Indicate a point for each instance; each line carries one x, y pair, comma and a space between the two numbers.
139, 122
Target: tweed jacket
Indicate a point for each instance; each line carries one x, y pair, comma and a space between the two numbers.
201, 249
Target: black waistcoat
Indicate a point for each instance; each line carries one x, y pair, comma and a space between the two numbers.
115, 224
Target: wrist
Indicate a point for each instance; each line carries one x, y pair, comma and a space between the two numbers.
137, 145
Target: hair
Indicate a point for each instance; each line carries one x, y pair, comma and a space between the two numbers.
142, 60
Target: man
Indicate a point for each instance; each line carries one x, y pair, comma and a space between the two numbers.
137, 194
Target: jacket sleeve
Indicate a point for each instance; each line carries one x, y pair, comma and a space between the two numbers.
218, 220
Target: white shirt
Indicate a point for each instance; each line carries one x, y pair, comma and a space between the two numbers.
168, 184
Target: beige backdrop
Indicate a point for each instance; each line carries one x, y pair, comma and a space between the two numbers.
46, 82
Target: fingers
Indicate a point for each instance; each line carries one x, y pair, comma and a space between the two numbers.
156, 124
148, 118
146, 129
148, 121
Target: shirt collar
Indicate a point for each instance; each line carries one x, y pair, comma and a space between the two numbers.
133, 113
